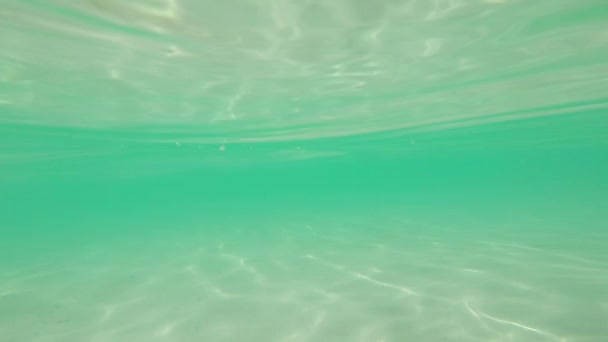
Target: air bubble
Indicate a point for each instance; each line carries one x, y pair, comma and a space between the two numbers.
170, 51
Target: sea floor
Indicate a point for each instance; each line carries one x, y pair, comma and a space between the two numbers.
374, 274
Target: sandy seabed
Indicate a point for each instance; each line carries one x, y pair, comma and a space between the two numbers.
379, 278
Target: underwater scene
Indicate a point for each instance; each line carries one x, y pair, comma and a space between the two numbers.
313, 170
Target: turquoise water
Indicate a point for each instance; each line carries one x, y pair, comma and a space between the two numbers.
180, 170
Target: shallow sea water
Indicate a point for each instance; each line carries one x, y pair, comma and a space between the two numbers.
180, 170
